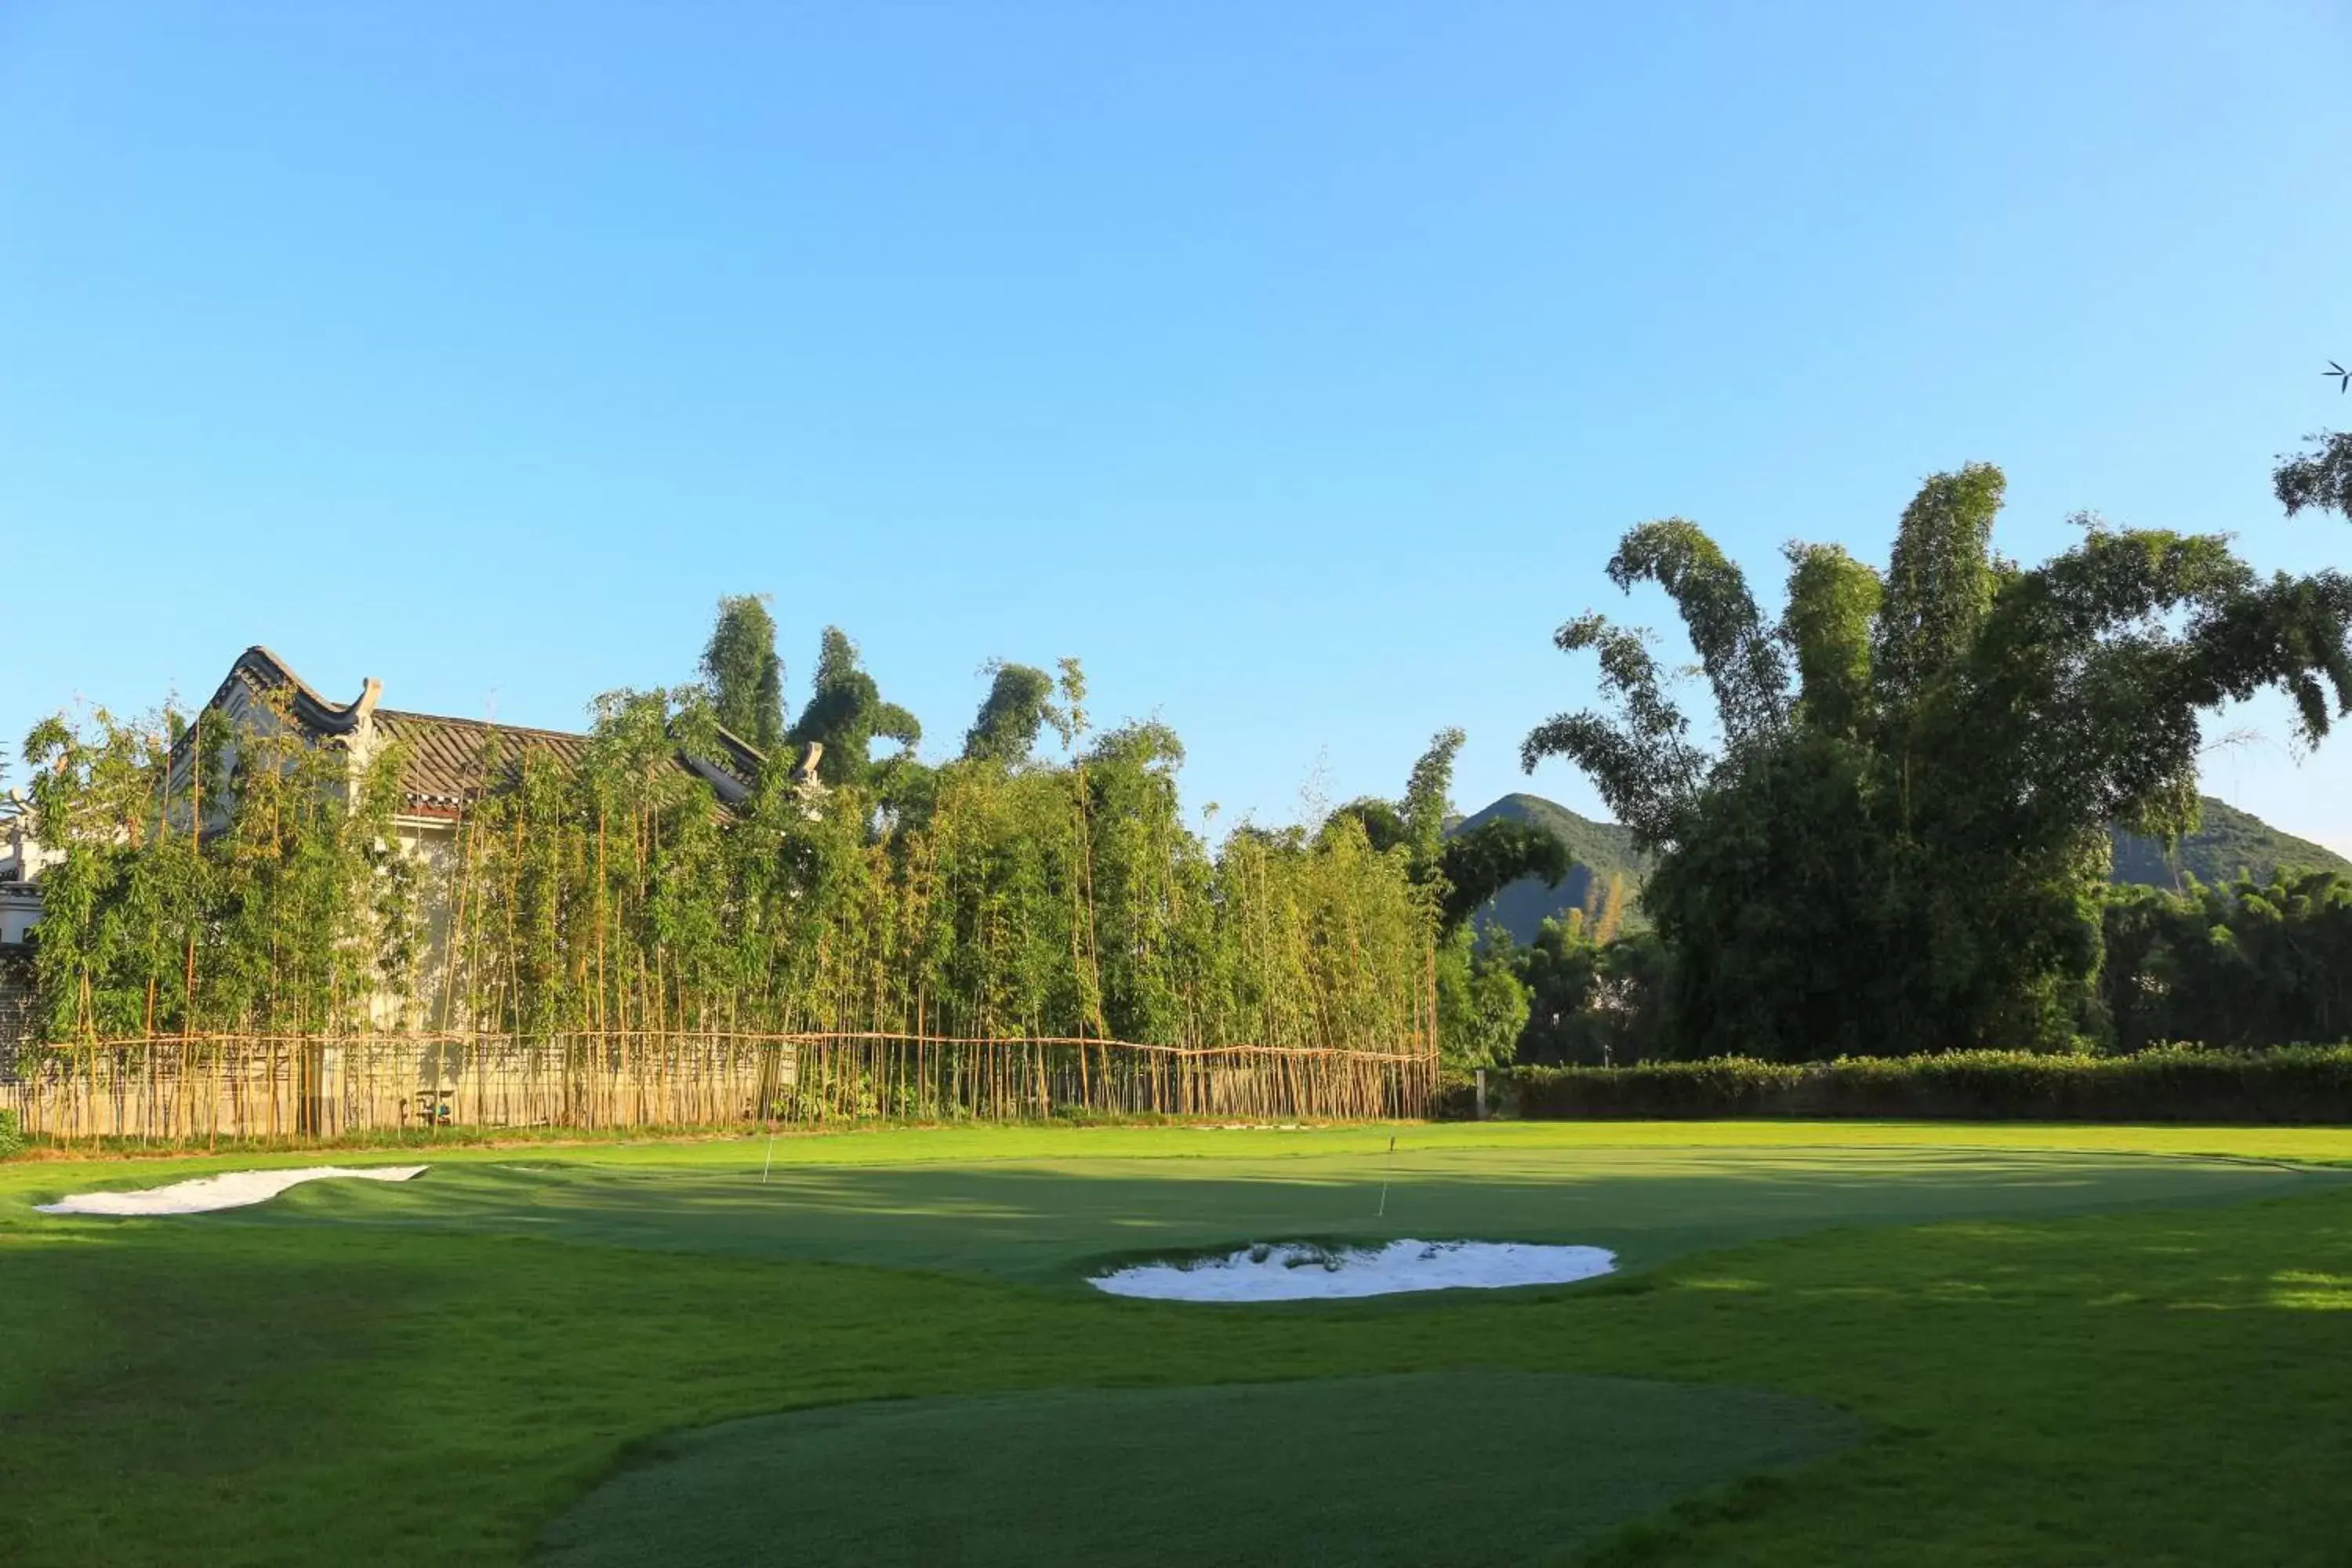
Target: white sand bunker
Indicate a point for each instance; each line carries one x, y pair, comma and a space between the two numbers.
233, 1190
1299, 1271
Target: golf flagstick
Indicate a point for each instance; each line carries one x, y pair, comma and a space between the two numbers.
771, 1159
1385, 1164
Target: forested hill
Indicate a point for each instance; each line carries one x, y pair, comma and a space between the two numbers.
1604, 852
2230, 841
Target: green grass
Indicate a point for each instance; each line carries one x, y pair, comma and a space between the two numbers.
1050, 1221
1045, 1206
1377, 1470
2101, 1349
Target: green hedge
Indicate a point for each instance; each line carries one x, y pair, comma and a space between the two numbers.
12, 1135
2296, 1083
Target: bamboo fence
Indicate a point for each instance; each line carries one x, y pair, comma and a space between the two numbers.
207, 1087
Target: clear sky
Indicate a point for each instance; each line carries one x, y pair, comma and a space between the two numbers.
1295, 365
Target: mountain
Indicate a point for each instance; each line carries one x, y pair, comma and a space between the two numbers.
1601, 850
2230, 841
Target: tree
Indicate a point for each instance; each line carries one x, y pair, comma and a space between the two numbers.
2251, 965
1561, 970
1940, 582
1482, 1005
2321, 477
1834, 602
1478, 864
1428, 803
1382, 823
845, 712
1020, 700
604, 888
1904, 849
284, 915
1463, 872
742, 673
1591, 1001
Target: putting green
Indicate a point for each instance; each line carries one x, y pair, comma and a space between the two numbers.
1464, 1467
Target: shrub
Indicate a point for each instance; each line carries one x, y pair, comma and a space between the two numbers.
12, 1134
2173, 1083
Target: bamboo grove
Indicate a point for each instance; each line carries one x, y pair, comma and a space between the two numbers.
1902, 843
594, 929
284, 915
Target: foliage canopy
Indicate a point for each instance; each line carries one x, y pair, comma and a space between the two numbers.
743, 673
845, 712
2320, 477
617, 892
1900, 841
1019, 700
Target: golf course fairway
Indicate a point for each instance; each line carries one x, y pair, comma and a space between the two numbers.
1849, 1342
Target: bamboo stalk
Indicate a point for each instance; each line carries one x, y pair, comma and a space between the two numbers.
676, 1079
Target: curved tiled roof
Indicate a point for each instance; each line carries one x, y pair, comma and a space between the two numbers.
264, 672
449, 761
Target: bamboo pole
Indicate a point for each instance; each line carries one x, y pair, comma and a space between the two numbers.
659, 1078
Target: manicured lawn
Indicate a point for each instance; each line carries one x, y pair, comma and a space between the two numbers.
1390, 1470
2058, 1345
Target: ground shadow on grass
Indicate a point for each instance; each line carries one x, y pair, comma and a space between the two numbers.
1464, 1467
1044, 1222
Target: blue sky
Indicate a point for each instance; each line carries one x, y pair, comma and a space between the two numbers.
1295, 366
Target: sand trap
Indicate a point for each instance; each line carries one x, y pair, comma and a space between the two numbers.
1300, 1271
233, 1190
